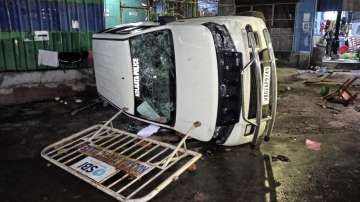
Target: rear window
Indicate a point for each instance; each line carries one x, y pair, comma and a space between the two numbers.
153, 64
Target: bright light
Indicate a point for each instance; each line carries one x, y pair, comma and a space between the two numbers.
330, 15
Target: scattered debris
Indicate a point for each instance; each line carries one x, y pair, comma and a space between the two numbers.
134, 127
322, 70
148, 131
337, 124
209, 152
227, 149
325, 69
313, 145
166, 137
63, 101
357, 108
324, 90
319, 76
76, 111
280, 158
328, 107
192, 168
76, 197
199, 196
342, 95
319, 69
78, 101
323, 80
288, 88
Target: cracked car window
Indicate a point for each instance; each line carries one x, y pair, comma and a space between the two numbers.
153, 66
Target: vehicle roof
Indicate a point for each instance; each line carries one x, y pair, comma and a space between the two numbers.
216, 19
148, 26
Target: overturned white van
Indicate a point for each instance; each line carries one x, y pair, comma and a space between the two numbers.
219, 71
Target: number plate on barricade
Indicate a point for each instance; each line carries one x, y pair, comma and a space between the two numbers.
120, 162
94, 169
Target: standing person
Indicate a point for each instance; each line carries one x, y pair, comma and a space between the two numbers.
329, 37
343, 39
344, 28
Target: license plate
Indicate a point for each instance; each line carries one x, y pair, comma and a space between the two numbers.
266, 85
93, 168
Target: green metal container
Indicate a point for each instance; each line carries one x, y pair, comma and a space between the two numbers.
70, 25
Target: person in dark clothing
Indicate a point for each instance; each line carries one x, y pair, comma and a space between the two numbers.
344, 27
329, 37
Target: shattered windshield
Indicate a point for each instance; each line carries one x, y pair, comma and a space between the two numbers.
153, 64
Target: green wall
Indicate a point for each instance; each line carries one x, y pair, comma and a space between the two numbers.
124, 11
18, 52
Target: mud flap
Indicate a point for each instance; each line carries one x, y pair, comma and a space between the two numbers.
119, 163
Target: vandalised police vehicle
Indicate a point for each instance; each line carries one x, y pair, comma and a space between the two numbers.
192, 70
211, 79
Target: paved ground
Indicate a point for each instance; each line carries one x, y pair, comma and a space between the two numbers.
235, 174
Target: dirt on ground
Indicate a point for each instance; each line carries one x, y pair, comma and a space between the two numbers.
313, 154
330, 173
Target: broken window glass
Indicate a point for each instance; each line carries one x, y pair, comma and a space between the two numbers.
153, 64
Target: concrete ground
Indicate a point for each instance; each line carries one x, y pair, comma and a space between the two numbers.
223, 174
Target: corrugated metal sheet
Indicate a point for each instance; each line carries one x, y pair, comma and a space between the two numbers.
70, 24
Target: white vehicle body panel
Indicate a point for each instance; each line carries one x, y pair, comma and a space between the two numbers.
196, 78
114, 76
196, 72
